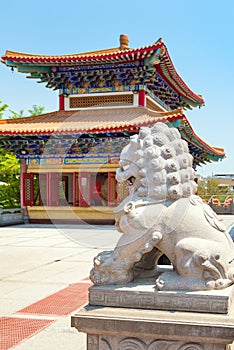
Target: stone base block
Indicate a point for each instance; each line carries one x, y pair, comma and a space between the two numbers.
143, 294
137, 317
112, 328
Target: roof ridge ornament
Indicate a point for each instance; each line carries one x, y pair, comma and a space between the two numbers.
123, 39
159, 41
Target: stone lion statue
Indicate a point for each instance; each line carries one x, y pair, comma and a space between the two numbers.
162, 215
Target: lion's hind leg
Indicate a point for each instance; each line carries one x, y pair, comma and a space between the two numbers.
197, 268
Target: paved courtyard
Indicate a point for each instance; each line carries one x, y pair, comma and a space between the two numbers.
47, 265
44, 280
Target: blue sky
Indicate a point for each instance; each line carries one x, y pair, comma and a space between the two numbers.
199, 36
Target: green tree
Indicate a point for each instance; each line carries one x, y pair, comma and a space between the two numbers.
15, 115
9, 165
3, 107
210, 187
36, 110
10, 181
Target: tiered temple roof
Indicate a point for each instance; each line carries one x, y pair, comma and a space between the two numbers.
100, 110
68, 132
124, 67
87, 121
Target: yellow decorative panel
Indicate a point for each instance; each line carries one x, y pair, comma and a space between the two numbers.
101, 101
150, 104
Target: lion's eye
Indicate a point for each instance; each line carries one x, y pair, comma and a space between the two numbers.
125, 167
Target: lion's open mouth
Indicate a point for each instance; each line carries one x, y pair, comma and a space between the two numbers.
125, 171
131, 180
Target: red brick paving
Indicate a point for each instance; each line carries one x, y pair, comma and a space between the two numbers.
14, 330
61, 303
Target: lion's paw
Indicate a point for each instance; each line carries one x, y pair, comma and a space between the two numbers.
110, 276
105, 258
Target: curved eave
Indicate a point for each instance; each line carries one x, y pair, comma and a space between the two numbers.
79, 122
156, 54
92, 57
207, 152
168, 72
108, 121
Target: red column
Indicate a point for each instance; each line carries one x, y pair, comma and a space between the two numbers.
141, 98
61, 103
112, 192
75, 190
23, 169
48, 196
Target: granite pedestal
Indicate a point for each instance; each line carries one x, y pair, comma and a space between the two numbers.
138, 317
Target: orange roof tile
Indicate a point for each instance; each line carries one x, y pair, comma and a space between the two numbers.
21, 55
81, 121
119, 54
104, 120
11, 55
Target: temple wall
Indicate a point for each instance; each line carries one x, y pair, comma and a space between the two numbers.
71, 214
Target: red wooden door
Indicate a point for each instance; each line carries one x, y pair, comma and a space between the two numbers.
63, 190
75, 189
42, 183
53, 189
27, 183
112, 193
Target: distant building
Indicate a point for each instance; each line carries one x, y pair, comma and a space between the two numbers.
226, 186
69, 157
225, 180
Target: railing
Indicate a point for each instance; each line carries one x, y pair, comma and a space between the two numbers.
11, 216
226, 207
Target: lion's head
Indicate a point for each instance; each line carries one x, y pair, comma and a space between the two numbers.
158, 163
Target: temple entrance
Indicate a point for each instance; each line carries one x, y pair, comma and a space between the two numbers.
99, 192
63, 190
81, 189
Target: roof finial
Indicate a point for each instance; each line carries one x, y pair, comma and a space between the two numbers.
123, 41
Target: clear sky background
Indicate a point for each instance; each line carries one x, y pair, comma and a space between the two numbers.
199, 36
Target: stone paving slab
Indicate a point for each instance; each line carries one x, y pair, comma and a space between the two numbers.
39, 260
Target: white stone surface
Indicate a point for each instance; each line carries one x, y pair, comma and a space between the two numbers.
127, 328
143, 295
30, 273
163, 216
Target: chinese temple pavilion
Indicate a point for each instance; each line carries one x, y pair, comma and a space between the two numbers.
69, 157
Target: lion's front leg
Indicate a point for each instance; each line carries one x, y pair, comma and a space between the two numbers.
117, 266
112, 267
